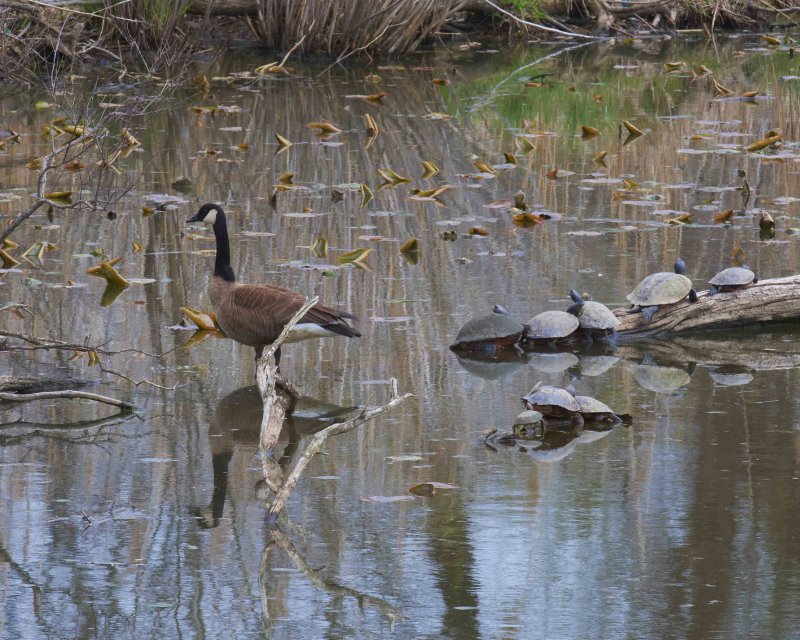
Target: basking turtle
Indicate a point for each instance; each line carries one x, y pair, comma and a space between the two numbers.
596, 412
528, 425
490, 332
660, 289
731, 279
553, 402
596, 320
551, 326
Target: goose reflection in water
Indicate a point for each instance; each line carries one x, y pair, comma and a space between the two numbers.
237, 421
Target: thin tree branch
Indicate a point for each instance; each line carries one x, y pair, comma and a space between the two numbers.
69, 394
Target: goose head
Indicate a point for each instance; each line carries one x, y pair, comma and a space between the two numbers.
207, 213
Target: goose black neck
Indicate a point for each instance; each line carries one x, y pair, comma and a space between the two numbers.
222, 265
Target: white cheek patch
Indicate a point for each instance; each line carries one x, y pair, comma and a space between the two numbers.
308, 330
211, 217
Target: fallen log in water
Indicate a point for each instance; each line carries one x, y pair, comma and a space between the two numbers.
774, 300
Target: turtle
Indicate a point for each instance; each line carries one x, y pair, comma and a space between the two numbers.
528, 425
660, 379
551, 326
596, 412
553, 402
488, 333
595, 319
731, 279
660, 289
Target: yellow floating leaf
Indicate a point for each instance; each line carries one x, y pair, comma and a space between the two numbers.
34, 165
683, 218
205, 110
243, 146
770, 40
524, 144
58, 195
630, 184
203, 321
758, 145
430, 193
372, 126
320, 248
587, 132
137, 247
73, 129
94, 359
373, 77
673, 66
286, 178
265, 68
750, 94
632, 128
510, 157
8, 261
430, 169
76, 355
391, 176
600, 158
412, 244
129, 138
483, 167
75, 165
8, 243
147, 212
324, 127
719, 89
202, 83
526, 220
724, 216
356, 256
282, 142
425, 489
477, 231
366, 195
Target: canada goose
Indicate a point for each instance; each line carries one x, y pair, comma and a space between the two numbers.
255, 314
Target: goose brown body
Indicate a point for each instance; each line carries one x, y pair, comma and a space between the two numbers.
255, 314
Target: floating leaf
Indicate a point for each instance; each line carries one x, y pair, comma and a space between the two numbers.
366, 195
600, 158
768, 141
412, 244
324, 127
674, 66
524, 144
286, 178
770, 40
111, 293
107, 271
587, 132
203, 321
749, 94
724, 216
8, 261
129, 138
283, 143
94, 359
430, 193
425, 489
430, 169
372, 126
58, 195
202, 83
526, 220
766, 222
320, 248
147, 212
483, 167
632, 128
719, 89
552, 174
376, 97
683, 218
477, 231
441, 82
74, 130
629, 184
510, 157
392, 177
34, 165
703, 70
373, 77
137, 247
8, 243
356, 256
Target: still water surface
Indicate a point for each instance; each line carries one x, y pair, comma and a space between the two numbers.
684, 525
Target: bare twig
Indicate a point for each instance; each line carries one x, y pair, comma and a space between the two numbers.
68, 394
540, 27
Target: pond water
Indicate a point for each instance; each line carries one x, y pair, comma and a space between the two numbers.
682, 525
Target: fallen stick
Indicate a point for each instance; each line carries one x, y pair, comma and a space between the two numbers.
68, 394
773, 300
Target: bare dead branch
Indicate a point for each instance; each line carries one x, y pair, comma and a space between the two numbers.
68, 394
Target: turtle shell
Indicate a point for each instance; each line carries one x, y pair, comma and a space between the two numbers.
551, 325
596, 316
494, 327
548, 396
528, 417
591, 405
660, 288
733, 277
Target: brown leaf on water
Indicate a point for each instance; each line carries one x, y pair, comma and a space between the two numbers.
34, 165
202, 83
597, 98
425, 489
684, 218
510, 157
441, 82
587, 132
477, 231
58, 195
703, 70
324, 127
552, 174
524, 144
9, 244
430, 169
632, 128
376, 97
94, 359
719, 89
749, 94
770, 40
724, 216
357, 257
768, 141
286, 178
412, 244
629, 184
600, 158
129, 138
203, 321
147, 212
430, 193
674, 66
8, 261
372, 77
243, 146
137, 246
483, 167
75, 165
283, 143
107, 271
526, 220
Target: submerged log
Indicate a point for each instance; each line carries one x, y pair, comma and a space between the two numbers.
769, 301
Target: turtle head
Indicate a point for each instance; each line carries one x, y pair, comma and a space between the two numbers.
576, 309
499, 309
575, 296
680, 266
